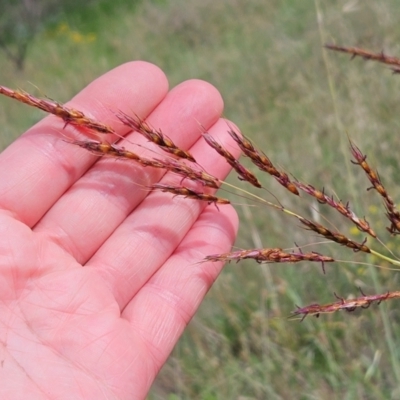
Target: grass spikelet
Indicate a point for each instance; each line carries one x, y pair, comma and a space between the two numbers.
262, 161
270, 255
154, 136
193, 174
189, 193
179, 168
334, 236
69, 115
373, 176
367, 55
112, 150
348, 305
244, 173
344, 209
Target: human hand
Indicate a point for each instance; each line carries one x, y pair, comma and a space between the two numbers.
98, 277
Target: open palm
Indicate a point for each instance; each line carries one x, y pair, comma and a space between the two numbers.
99, 277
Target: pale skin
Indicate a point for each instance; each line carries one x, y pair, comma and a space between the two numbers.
98, 277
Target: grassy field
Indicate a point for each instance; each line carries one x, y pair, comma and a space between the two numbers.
297, 102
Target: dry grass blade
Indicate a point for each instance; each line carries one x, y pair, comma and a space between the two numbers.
69, 115
344, 304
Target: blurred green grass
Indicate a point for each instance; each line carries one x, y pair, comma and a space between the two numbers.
267, 60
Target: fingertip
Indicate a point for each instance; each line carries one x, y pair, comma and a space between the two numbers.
211, 91
224, 222
122, 88
197, 93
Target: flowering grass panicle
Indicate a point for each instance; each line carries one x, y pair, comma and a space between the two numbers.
183, 164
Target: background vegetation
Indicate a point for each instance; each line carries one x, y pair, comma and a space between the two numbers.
297, 102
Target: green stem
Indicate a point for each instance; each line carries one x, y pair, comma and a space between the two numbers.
386, 258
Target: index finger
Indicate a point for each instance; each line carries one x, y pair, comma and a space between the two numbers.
38, 167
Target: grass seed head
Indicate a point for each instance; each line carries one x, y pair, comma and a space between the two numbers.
262, 161
334, 236
344, 209
270, 255
112, 150
187, 172
189, 193
154, 136
367, 55
244, 173
348, 305
195, 173
392, 213
69, 115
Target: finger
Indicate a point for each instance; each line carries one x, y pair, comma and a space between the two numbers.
145, 240
110, 190
39, 167
160, 311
